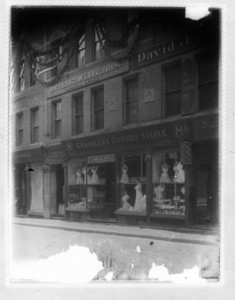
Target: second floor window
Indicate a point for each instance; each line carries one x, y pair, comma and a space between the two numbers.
98, 108
22, 76
80, 57
56, 119
77, 114
19, 129
35, 125
207, 83
99, 43
131, 101
173, 90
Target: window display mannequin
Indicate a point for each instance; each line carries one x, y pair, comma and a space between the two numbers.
124, 178
94, 178
125, 205
165, 176
138, 196
179, 173
87, 177
158, 191
143, 203
79, 179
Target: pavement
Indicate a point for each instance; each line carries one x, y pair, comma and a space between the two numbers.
194, 235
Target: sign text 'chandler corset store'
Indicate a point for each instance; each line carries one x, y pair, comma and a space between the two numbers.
151, 135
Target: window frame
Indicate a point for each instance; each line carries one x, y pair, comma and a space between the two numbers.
81, 49
56, 120
166, 67
34, 125
19, 128
96, 42
125, 102
202, 57
96, 110
77, 98
21, 75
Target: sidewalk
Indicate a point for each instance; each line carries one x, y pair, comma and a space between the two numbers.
193, 236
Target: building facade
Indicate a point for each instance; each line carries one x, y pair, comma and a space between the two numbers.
115, 117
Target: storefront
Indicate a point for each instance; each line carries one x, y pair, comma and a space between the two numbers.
28, 181
135, 176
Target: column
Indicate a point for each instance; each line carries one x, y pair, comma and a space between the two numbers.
28, 189
65, 190
46, 192
186, 160
149, 187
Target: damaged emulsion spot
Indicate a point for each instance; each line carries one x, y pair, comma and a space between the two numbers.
196, 13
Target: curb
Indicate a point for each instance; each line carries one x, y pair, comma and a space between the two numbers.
110, 232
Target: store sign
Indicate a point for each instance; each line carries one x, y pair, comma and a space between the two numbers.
151, 135
25, 156
100, 159
206, 127
88, 77
164, 50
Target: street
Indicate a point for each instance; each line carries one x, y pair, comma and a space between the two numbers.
125, 258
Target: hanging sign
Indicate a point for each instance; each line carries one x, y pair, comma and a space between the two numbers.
100, 159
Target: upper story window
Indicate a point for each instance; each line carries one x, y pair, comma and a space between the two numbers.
35, 125
77, 114
22, 76
32, 76
98, 108
56, 119
56, 55
173, 90
19, 129
207, 83
131, 98
80, 57
99, 43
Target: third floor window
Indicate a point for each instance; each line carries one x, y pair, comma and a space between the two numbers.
80, 56
77, 114
173, 90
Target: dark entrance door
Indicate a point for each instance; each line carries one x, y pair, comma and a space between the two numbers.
60, 189
206, 195
21, 195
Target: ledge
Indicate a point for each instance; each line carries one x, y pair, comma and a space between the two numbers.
130, 213
77, 209
167, 216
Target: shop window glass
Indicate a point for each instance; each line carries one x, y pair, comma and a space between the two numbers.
35, 125
98, 109
168, 184
19, 129
94, 188
207, 83
132, 169
77, 114
57, 120
173, 90
131, 101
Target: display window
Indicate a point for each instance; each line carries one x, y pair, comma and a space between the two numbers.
132, 185
94, 187
168, 184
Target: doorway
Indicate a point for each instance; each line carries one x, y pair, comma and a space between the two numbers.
60, 205
21, 190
